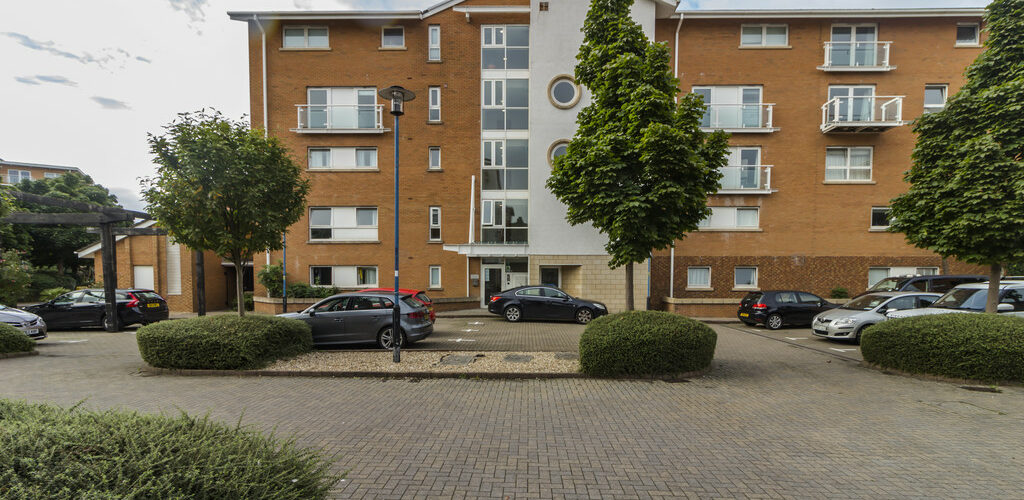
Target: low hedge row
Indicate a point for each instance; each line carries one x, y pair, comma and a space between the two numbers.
223, 342
645, 343
51, 452
986, 347
14, 340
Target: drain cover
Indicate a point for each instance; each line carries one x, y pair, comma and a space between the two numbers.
457, 359
567, 355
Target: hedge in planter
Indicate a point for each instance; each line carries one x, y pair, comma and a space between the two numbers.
645, 343
972, 346
14, 340
51, 452
223, 342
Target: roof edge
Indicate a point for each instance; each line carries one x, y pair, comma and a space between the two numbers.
40, 165
830, 13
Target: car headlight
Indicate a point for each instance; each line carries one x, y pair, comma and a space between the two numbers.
844, 322
599, 306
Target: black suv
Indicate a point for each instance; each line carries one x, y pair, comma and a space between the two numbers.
775, 308
937, 283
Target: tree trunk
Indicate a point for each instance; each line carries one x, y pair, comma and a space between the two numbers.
200, 279
239, 293
995, 272
629, 286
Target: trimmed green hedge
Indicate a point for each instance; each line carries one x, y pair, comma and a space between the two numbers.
14, 340
973, 346
645, 343
51, 452
223, 342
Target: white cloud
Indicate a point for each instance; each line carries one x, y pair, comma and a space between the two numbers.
108, 103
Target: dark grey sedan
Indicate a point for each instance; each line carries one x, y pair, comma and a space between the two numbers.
364, 317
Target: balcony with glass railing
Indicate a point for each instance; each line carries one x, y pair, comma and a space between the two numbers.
862, 114
857, 56
739, 118
745, 179
340, 119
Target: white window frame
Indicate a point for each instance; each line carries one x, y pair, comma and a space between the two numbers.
333, 227
977, 35
430, 158
492, 85
705, 225
434, 285
311, 283
935, 108
871, 221
764, 34
22, 175
744, 287
376, 274
690, 285
431, 46
305, 36
434, 104
434, 222
870, 168
487, 213
51, 175
392, 27
332, 151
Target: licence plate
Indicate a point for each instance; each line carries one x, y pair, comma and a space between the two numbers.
744, 315
32, 332
153, 304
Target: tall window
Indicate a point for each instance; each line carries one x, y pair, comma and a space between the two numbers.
343, 158
343, 224
745, 277
967, 34
435, 277
435, 104
340, 108
764, 35
732, 218
505, 164
435, 223
851, 103
743, 170
506, 104
698, 277
504, 221
506, 47
343, 276
848, 164
434, 43
434, 158
392, 37
880, 218
854, 45
305, 37
934, 98
731, 107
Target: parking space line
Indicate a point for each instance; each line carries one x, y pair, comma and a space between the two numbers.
797, 338
843, 350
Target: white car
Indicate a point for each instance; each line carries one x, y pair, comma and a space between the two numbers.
971, 298
31, 324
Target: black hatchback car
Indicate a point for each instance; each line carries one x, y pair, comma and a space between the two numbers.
543, 302
87, 308
775, 308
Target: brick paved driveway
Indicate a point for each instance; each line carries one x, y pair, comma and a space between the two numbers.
496, 334
772, 420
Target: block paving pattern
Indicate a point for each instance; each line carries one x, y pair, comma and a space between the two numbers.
771, 420
496, 334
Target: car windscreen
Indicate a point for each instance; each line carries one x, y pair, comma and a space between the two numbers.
888, 285
963, 298
411, 302
864, 302
422, 297
147, 296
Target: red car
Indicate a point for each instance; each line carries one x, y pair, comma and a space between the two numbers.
419, 295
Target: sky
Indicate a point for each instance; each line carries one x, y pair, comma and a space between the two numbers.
82, 82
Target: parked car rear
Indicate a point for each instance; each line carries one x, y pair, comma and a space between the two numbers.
419, 295
87, 308
775, 308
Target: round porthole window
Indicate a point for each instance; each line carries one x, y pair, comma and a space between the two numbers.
563, 92
557, 149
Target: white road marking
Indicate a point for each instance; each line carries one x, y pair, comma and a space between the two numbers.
68, 341
797, 338
469, 330
476, 323
461, 340
843, 350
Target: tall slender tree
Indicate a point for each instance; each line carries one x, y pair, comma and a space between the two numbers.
638, 168
222, 186
966, 196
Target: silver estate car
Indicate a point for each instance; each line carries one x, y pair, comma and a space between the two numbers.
31, 324
850, 319
364, 317
971, 298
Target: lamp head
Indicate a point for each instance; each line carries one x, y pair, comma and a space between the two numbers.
397, 95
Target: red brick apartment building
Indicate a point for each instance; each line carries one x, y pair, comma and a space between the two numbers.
819, 104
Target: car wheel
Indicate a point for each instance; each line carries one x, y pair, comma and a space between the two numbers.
385, 339
583, 316
513, 314
856, 335
773, 322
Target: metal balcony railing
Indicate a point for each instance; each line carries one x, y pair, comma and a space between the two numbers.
745, 179
739, 117
340, 118
862, 114
857, 56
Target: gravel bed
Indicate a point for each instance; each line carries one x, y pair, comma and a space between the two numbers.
426, 361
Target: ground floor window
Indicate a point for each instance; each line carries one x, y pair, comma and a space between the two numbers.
876, 274
745, 277
698, 277
343, 276
551, 276
435, 276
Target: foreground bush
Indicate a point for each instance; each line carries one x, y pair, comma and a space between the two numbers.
643, 343
50, 452
223, 342
14, 340
972, 346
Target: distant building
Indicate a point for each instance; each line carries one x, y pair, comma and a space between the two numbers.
13, 172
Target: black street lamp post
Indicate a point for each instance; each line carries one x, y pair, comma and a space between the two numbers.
397, 95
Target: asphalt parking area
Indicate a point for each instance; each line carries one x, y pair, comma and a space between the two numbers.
496, 334
803, 337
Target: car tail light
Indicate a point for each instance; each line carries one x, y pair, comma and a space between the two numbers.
134, 302
417, 315
495, 298
759, 306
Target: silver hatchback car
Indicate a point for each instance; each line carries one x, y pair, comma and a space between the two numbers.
850, 319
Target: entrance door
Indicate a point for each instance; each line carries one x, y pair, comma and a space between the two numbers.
492, 282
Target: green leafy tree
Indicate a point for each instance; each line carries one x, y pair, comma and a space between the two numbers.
638, 168
224, 187
15, 274
966, 196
